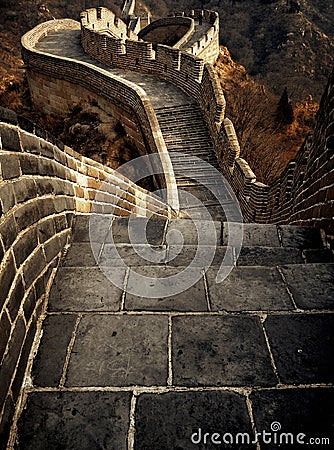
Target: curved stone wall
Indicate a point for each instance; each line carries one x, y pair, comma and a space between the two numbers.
43, 185
290, 199
104, 85
168, 21
303, 195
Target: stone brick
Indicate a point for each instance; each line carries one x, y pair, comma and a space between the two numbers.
114, 350
86, 289
8, 116
29, 304
264, 256
25, 189
10, 167
248, 289
29, 164
7, 275
300, 237
25, 246
220, 351
302, 346
6, 421
7, 197
308, 411
45, 230
34, 267
311, 285
49, 361
22, 365
15, 298
11, 357
8, 230
26, 215
168, 420
10, 138
62, 419
160, 279
5, 327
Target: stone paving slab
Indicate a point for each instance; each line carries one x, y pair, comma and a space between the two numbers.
303, 347
141, 230
220, 351
86, 289
49, 362
91, 228
304, 410
119, 351
206, 256
80, 254
171, 420
265, 256
75, 421
311, 285
249, 289
318, 255
192, 299
209, 232
300, 237
254, 235
131, 255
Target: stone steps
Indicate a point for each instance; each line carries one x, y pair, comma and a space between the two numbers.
152, 328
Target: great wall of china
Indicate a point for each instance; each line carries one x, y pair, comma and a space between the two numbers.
44, 184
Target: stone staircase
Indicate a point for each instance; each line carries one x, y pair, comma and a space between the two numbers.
188, 142
119, 369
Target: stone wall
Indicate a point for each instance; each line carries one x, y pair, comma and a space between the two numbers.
291, 199
97, 82
168, 21
43, 184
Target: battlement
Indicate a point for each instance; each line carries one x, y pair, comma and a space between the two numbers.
289, 200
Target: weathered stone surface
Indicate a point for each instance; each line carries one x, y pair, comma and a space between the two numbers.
75, 420
6, 420
302, 346
10, 167
10, 359
86, 289
119, 351
264, 256
298, 411
220, 351
16, 297
132, 229
209, 232
80, 254
131, 255
7, 197
7, 276
171, 420
254, 235
10, 138
192, 299
48, 365
4, 332
311, 285
300, 237
25, 246
249, 289
91, 228
199, 256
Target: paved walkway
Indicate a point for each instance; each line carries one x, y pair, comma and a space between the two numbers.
118, 369
181, 123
